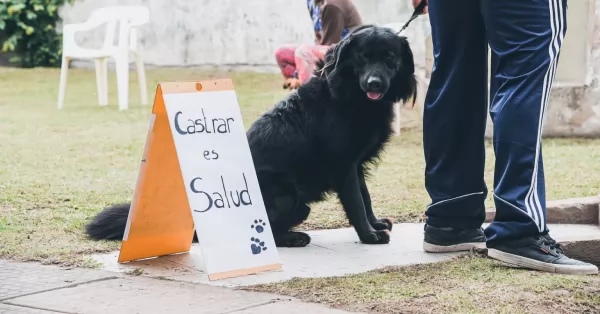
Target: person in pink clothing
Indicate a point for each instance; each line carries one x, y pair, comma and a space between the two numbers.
297, 62
332, 21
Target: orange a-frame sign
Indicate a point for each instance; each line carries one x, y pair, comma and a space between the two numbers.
161, 220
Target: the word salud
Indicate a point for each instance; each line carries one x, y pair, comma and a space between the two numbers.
222, 198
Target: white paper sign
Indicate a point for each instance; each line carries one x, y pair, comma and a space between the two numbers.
221, 184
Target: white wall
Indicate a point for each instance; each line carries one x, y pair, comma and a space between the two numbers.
227, 32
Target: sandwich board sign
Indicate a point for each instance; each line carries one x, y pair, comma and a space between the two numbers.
197, 173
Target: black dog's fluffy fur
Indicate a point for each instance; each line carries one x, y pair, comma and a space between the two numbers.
322, 138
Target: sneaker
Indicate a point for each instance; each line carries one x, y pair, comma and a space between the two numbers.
539, 253
442, 240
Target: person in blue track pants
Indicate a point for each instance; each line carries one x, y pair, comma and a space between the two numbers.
524, 38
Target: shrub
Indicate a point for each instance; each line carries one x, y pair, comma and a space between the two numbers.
28, 28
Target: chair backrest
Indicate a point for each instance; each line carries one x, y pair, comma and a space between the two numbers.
134, 14
124, 15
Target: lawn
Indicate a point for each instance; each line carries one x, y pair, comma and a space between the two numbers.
59, 168
468, 284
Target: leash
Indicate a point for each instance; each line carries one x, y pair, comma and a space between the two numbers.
418, 11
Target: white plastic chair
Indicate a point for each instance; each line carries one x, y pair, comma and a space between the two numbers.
128, 18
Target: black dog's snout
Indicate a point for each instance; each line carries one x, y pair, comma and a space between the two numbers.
374, 83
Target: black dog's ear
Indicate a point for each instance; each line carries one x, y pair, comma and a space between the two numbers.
334, 55
404, 83
408, 61
404, 88
338, 52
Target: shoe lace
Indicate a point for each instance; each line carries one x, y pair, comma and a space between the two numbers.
552, 244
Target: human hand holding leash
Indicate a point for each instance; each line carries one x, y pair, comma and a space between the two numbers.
416, 3
420, 9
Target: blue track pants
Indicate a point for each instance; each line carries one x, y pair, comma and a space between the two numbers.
525, 37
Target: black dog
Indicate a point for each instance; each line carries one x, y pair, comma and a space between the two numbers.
322, 138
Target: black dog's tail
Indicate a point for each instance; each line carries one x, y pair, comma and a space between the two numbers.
109, 224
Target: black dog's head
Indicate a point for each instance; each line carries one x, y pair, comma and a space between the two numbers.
373, 63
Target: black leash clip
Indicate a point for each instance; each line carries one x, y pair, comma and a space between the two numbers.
418, 11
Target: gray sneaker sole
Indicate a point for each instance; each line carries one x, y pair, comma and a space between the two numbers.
525, 262
432, 248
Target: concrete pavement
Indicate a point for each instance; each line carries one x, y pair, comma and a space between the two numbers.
32, 288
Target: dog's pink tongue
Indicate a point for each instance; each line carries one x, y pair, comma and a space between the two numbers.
373, 95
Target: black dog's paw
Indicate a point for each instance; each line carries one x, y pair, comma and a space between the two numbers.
257, 246
377, 237
258, 225
292, 239
383, 224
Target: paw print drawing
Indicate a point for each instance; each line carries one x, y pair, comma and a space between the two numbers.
257, 246
258, 225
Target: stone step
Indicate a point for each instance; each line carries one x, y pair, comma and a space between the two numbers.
583, 210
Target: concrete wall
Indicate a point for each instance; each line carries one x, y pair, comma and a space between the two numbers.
574, 109
226, 32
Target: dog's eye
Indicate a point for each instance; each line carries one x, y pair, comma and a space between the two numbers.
391, 62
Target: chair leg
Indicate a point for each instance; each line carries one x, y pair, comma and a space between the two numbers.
141, 74
99, 81
63, 82
122, 68
104, 67
396, 121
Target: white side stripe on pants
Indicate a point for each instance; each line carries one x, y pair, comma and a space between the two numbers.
452, 199
532, 201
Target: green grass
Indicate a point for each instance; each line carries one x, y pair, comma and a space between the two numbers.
59, 168
469, 284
